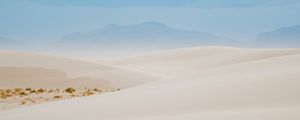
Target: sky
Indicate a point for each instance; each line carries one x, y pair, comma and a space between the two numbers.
48, 20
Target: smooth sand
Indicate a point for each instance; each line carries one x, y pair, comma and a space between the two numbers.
212, 83
28, 69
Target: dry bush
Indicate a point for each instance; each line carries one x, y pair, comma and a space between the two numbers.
18, 89
41, 90
28, 89
57, 96
50, 91
22, 93
97, 90
33, 91
87, 93
70, 90
6, 93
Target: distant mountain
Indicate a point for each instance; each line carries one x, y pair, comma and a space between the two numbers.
147, 34
8, 43
282, 37
4, 40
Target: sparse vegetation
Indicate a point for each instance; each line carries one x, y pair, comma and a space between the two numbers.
22, 93
32, 91
26, 96
50, 91
41, 90
97, 90
70, 90
87, 93
57, 96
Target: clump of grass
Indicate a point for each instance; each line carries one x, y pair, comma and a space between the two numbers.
28, 89
70, 90
4, 94
50, 91
22, 93
97, 90
41, 90
18, 89
32, 91
87, 93
57, 96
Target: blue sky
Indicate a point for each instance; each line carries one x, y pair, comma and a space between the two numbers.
167, 3
44, 20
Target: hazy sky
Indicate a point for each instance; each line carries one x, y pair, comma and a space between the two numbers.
43, 20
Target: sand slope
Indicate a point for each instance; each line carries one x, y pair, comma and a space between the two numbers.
205, 83
27, 77
28, 69
183, 62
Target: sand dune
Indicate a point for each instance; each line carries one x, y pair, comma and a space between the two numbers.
26, 77
183, 62
210, 83
57, 69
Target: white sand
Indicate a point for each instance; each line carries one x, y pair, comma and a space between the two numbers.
213, 83
28, 69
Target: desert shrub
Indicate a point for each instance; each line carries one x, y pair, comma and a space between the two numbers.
87, 93
18, 89
70, 90
32, 91
96, 90
22, 93
50, 91
28, 89
41, 90
57, 96
9, 91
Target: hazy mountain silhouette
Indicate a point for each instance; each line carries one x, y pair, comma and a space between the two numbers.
148, 33
4, 40
9, 43
282, 37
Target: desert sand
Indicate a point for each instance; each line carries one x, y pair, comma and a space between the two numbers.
205, 83
26, 68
